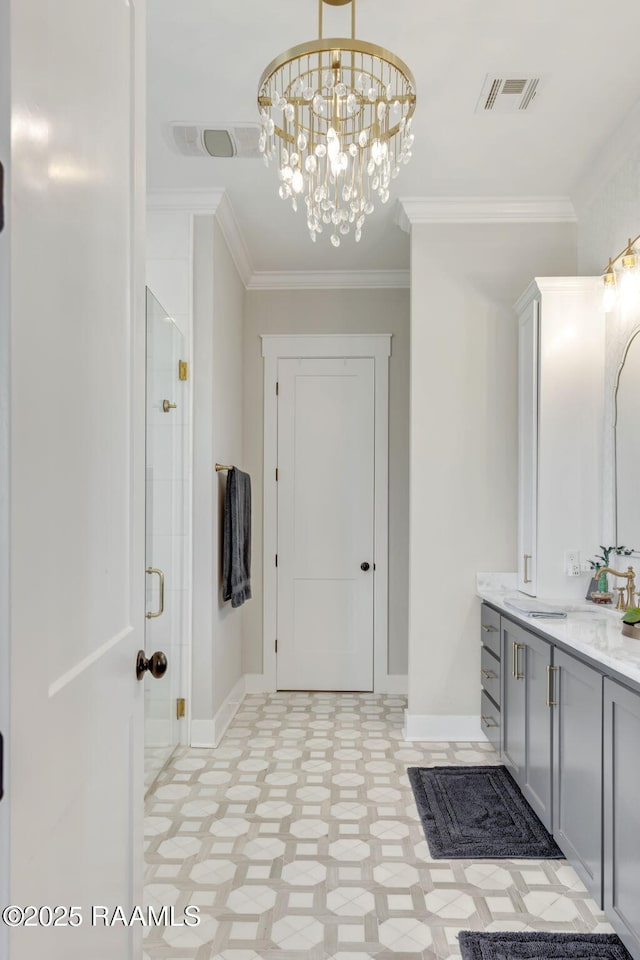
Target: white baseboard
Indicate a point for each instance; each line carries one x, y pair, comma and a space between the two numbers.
209, 733
258, 683
442, 729
396, 684
203, 733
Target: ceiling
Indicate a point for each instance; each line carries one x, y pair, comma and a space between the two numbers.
205, 58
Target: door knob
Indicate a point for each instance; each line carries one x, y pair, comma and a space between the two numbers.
364, 566
166, 406
156, 665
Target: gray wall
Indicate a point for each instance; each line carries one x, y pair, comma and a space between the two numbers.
464, 336
608, 198
217, 423
332, 311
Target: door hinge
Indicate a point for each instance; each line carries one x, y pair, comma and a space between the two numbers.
181, 708
183, 370
276, 644
277, 475
276, 559
277, 389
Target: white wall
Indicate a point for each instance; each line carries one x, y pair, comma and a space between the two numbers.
465, 280
218, 437
333, 311
607, 199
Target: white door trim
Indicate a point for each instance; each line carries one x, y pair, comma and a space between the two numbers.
309, 346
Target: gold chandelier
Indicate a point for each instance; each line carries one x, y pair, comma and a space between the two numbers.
336, 119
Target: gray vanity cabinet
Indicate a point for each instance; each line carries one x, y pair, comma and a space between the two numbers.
513, 699
526, 715
538, 773
622, 811
576, 690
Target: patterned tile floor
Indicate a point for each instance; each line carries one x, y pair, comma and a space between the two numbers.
298, 838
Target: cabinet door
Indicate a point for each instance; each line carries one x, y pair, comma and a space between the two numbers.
536, 784
622, 812
514, 641
528, 341
577, 781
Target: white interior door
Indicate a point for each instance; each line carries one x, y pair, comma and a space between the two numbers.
75, 225
326, 420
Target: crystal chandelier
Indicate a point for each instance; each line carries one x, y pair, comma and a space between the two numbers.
336, 118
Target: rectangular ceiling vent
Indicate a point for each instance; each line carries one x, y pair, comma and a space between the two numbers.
508, 94
218, 140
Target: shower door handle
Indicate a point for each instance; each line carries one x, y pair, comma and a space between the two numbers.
160, 610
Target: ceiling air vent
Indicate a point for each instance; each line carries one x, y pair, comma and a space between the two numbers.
511, 94
219, 140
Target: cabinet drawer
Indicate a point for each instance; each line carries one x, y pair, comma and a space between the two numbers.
490, 719
490, 673
490, 629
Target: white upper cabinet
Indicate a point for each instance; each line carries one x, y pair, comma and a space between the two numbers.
528, 444
560, 423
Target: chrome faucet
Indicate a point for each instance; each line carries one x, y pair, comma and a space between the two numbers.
630, 577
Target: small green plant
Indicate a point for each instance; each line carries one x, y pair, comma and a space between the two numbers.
602, 559
632, 615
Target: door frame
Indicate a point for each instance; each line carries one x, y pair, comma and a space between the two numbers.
376, 347
5, 416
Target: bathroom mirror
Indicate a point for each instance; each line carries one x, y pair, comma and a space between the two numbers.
627, 446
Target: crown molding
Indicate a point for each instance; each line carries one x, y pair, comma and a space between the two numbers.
228, 223
415, 211
329, 280
212, 203
568, 285
189, 201
217, 203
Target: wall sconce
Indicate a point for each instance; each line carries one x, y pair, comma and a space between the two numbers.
621, 281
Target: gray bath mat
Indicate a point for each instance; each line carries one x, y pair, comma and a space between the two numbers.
546, 946
471, 812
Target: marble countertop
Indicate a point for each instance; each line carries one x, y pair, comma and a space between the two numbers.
591, 630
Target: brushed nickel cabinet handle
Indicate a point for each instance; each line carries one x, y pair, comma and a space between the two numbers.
160, 610
515, 666
550, 701
488, 675
526, 579
489, 629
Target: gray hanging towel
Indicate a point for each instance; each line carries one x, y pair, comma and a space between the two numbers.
236, 539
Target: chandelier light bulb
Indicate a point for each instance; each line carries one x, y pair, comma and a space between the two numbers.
336, 119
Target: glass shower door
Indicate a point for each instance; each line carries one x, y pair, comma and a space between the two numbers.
166, 532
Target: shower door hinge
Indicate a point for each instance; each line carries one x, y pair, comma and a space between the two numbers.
276, 559
181, 708
277, 389
277, 475
183, 370
276, 644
